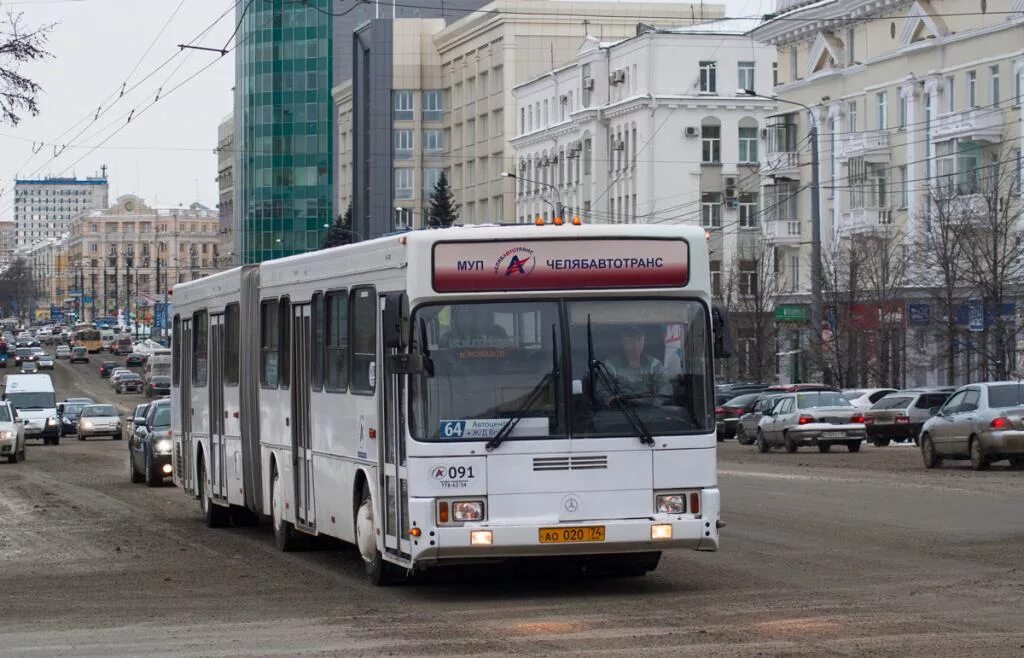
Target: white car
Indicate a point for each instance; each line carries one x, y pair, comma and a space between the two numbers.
12, 434
865, 398
99, 420
45, 361
63, 352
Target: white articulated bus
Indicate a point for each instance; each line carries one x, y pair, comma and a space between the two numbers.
463, 394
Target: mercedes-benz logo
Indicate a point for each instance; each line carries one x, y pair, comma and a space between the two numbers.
571, 503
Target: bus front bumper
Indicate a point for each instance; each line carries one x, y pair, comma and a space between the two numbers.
492, 540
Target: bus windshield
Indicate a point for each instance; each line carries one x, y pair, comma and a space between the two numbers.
624, 360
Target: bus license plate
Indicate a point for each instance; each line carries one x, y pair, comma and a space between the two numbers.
572, 534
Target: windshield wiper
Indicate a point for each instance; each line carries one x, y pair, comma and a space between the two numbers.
598, 368
549, 378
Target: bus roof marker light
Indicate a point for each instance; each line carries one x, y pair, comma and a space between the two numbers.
539, 221
557, 221
576, 221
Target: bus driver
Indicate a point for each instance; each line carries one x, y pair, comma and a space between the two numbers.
640, 377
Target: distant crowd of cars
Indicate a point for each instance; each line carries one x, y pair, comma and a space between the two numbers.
983, 423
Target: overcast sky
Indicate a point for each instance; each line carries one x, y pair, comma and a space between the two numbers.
165, 153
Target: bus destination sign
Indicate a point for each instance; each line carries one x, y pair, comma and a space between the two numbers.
560, 265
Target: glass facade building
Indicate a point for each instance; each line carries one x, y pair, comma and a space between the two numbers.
284, 128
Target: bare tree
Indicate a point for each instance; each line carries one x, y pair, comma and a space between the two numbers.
842, 295
882, 264
756, 289
18, 288
19, 44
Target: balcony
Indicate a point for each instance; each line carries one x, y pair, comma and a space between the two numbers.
782, 232
871, 145
975, 125
867, 221
781, 163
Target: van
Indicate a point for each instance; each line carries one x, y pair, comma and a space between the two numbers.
106, 339
36, 402
157, 365
122, 345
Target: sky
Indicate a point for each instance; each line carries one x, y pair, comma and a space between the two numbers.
165, 152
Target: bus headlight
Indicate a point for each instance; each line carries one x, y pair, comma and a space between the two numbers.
163, 446
673, 503
467, 510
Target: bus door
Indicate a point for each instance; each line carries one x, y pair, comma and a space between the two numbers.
186, 467
395, 480
215, 390
302, 448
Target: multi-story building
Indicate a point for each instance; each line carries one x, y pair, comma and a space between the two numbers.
47, 264
917, 103
43, 208
487, 53
343, 139
228, 225
127, 256
7, 242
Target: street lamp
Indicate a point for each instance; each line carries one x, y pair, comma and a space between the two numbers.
816, 275
558, 195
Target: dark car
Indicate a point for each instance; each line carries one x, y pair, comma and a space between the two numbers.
68, 412
129, 382
135, 360
158, 386
107, 367
79, 355
22, 354
150, 445
727, 415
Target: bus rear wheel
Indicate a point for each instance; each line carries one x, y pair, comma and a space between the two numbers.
284, 533
378, 571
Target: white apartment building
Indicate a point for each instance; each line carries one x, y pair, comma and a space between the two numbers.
904, 93
489, 52
43, 208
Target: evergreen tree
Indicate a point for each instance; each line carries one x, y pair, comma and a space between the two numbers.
340, 231
442, 204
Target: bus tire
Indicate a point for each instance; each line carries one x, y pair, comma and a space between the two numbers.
379, 572
284, 533
214, 515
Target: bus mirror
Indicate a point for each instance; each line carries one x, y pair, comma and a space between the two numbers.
405, 363
395, 320
721, 332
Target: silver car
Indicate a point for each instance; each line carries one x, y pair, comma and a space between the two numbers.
899, 416
746, 426
99, 420
980, 422
12, 434
821, 418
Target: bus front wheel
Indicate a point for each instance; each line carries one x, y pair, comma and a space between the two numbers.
379, 572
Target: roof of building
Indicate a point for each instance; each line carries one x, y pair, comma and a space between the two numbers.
737, 26
62, 181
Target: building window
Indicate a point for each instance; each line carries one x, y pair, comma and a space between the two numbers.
851, 51
883, 110
716, 278
403, 104
851, 116
745, 71
794, 273
902, 173
748, 278
709, 77
793, 64
950, 96
903, 111
775, 74
433, 105
430, 177
403, 183
433, 141
748, 209
711, 210
403, 144
711, 144
972, 89
748, 145
994, 83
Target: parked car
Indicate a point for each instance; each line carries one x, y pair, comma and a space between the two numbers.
29, 367
131, 382
63, 352
158, 386
135, 360
12, 434
863, 398
68, 413
727, 415
150, 446
899, 416
746, 425
99, 420
45, 362
793, 388
820, 418
79, 355
980, 422
108, 367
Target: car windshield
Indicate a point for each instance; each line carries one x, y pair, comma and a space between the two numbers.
129, 376
1006, 395
493, 361
99, 410
853, 393
33, 400
893, 402
742, 400
24, 351
162, 381
73, 408
813, 399
162, 416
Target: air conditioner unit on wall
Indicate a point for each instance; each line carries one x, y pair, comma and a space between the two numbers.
618, 76
564, 98
588, 83
691, 131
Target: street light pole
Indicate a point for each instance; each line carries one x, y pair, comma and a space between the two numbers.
816, 273
558, 195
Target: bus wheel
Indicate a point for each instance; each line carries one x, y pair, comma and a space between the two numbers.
379, 572
284, 534
214, 515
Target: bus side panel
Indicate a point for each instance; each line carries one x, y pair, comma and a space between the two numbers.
275, 435
253, 465
233, 446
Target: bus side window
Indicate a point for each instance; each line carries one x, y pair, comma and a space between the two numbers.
363, 371
336, 319
268, 343
176, 350
231, 338
317, 320
201, 329
284, 310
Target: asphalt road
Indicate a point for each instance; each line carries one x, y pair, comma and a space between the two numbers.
834, 554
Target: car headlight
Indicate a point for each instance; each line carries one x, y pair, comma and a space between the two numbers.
674, 503
6, 435
467, 510
51, 421
86, 425
163, 445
